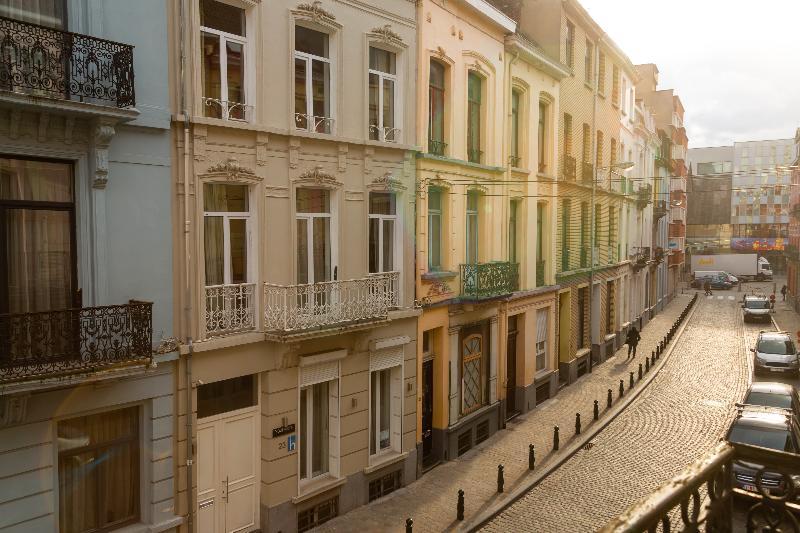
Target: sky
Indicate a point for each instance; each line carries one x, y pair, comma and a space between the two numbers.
734, 63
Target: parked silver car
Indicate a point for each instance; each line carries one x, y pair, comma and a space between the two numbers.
756, 308
774, 394
775, 352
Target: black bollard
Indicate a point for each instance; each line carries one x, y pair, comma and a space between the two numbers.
652, 355
647, 364
596, 410
609, 399
621, 388
409, 525
630, 383
500, 480
577, 423
653, 360
460, 506
531, 457
640, 371
555, 438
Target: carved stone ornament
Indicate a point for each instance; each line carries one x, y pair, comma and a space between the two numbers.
441, 52
316, 11
13, 410
437, 290
167, 345
387, 182
386, 33
232, 170
318, 176
103, 133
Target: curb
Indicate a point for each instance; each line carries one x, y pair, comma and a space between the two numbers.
483, 517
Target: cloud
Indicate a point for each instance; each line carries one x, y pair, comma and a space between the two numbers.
732, 62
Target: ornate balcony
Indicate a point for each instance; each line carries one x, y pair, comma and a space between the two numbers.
72, 341
436, 147
514, 161
569, 167
230, 308
313, 123
42, 61
384, 134
487, 280
227, 110
640, 256
474, 155
659, 209
643, 196
298, 308
701, 498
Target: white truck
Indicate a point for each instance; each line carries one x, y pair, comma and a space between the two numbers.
743, 266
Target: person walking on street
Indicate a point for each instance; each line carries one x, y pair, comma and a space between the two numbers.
707, 287
784, 290
632, 340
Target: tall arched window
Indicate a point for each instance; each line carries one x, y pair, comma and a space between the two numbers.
436, 94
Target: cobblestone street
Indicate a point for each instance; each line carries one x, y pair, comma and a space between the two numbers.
431, 501
682, 414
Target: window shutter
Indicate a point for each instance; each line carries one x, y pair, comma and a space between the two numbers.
541, 325
386, 358
320, 373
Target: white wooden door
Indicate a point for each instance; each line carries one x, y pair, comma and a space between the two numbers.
227, 473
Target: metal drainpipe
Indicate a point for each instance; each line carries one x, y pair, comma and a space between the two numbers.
594, 186
187, 262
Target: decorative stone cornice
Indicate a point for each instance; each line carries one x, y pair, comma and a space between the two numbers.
387, 182
318, 176
315, 10
232, 170
103, 133
386, 33
436, 291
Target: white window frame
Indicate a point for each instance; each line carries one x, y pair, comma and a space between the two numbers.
470, 214
541, 345
309, 416
224, 103
332, 227
393, 133
395, 412
381, 219
227, 216
311, 119
440, 236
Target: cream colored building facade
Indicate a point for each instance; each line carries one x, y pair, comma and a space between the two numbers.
294, 211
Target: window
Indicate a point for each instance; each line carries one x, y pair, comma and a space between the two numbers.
513, 208
436, 144
434, 229
582, 317
568, 134
38, 268
313, 217
569, 45
565, 218
382, 223
226, 221
624, 96
601, 74
611, 224
98, 471
382, 95
615, 86
474, 99
50, 13
542, 136
588, 63
385, 409
599, 161
541, 339
223, 42
472, 227
225, 396
584, 233
540, 265
385, 485
473, 370
612, 152
312, 81
597, 223
515, 159
587, 145
317, 515
610, 308
315, 418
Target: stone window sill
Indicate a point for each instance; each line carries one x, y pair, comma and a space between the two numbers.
315, 487
379, 461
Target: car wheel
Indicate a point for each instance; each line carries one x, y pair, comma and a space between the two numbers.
760, 277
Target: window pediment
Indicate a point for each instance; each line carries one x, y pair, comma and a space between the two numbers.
479, 63
386, 36
441, 55
388, 183
318, 177
231, 170
314, 13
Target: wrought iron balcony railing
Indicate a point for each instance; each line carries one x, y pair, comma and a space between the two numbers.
436, 147
584, 256
227, 110
564, 260
643, 196
72, 341
659, 209
230, 308
587, 172
487, 280
384, 134
297, 308
540, 270
514, 161
639, 257
701, 498
43, 61
569, 167
313, 123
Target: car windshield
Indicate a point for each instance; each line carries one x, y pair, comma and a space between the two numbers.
776, 346
775, 439
757, 304
770, 399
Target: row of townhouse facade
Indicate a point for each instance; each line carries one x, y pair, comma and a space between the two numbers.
308, 253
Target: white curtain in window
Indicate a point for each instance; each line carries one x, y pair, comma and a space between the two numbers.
44, 12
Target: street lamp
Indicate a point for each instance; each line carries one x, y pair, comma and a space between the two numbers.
624, 167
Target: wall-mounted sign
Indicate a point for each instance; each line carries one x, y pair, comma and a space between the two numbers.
291, 442
756, 244
283, 430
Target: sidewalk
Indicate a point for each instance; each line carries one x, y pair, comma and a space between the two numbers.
431, 500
